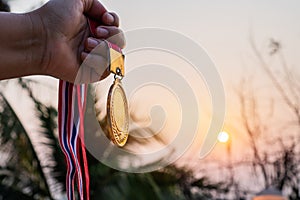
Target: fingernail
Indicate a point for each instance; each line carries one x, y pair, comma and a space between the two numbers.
110, 18
102, 32
92, 43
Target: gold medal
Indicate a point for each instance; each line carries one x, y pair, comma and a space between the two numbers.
117, 114
116, 124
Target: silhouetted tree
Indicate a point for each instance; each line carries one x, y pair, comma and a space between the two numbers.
275, 160
4, 6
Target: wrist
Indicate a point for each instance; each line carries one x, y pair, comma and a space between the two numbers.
22, 40
36, 52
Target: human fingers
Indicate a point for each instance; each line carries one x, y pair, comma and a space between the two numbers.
98, 46
111, 19
94, 9
112, 34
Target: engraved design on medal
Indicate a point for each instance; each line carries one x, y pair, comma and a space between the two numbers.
118, 114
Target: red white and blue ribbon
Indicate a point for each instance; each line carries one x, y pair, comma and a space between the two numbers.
71, 108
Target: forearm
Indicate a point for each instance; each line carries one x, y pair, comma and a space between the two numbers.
21, 45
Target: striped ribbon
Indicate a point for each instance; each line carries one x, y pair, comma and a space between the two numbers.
71, 108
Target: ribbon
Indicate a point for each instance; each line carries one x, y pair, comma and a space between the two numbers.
71, 109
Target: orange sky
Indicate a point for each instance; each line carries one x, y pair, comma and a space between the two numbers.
221, 27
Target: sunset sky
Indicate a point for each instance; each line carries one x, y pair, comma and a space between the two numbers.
222, 28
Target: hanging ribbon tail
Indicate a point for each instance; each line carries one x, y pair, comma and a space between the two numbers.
64, 113
81, 99
71, 109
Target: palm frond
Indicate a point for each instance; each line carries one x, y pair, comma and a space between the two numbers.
22, 158
51, 154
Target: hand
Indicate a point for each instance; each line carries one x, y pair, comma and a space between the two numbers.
66, 34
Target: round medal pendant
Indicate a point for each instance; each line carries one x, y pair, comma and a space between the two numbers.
117, 114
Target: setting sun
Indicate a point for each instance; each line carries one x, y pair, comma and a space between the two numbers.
223, 137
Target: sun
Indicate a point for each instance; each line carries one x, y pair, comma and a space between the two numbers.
223, 137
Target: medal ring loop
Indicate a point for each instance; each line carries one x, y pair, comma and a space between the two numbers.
118, 75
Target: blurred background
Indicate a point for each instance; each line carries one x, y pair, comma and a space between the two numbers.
254, 45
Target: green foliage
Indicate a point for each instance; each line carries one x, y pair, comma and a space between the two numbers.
22, 172
114, 184
4, 6
48, 117
167, 184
